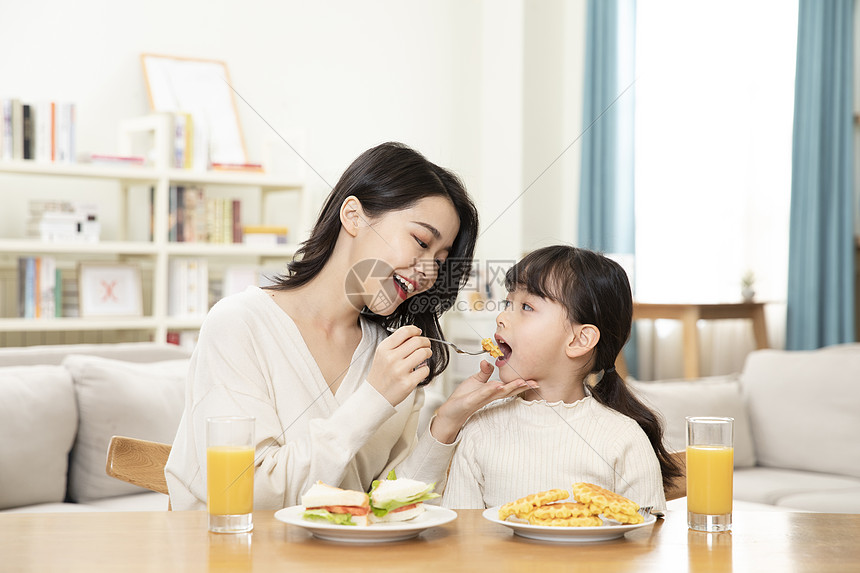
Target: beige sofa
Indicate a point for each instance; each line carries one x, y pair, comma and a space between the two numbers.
797, 425
59, 407
797, 431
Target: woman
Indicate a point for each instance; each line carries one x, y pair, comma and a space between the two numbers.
335, 397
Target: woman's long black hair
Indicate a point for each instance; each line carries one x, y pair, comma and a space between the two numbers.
594, 289
393, 177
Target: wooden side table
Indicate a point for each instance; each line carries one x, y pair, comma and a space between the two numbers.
689, 314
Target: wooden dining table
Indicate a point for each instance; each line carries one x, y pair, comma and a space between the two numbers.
179, 541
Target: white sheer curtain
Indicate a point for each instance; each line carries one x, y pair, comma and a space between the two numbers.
714, 104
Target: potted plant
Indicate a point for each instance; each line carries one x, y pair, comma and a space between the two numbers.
748, 286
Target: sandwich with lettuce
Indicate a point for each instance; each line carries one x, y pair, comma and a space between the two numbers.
395, 499
334, 505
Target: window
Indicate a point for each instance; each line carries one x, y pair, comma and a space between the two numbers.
714, 114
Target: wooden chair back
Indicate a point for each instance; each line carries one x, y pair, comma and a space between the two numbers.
139, 462
678, 487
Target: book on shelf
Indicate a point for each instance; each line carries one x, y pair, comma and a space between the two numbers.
43, 136
188, 287
27, 123
236, 221
69, 300
13, 129
110, 159
176, 213
39, 279
183, 140
43, 131
194, 215
242, 167
64, 132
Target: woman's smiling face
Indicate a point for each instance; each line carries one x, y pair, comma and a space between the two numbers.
407, 247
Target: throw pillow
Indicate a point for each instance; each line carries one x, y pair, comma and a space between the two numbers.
805, 408
716, 396
38, 419
117, 398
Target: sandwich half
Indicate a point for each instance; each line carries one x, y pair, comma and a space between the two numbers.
399, 499
338, 506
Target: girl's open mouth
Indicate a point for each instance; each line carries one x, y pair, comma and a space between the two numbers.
506, 349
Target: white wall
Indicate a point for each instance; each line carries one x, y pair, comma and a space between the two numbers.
348, 75
555, 56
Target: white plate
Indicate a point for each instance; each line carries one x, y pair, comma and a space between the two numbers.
610, 529
376, 533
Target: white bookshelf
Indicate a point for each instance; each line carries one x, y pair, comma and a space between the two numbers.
153, 254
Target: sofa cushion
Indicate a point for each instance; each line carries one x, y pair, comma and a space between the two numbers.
715, 396
804, 408
777, 486
38, 419
834, 501
120, 398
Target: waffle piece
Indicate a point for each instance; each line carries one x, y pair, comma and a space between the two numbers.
609, 503
490, 346
523, 507
562, 510
624, 517
587, 521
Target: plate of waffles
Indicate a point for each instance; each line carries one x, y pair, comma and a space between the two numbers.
609, 530
592, 513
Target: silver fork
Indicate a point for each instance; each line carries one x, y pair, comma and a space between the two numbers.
456, 348
646, 511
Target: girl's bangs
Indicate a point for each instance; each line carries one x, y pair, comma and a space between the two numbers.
539, 276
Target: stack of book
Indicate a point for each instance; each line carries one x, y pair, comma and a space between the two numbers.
188, 293
57, 220
196, 218
42, 131
39, 288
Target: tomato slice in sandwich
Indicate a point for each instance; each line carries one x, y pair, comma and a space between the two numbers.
405, 507
350, 509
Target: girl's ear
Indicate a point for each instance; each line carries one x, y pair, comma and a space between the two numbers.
351, 215
583, 339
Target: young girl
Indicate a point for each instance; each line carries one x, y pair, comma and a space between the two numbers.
567, 315
335, 397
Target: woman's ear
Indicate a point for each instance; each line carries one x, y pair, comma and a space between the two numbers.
583, 339
351, 214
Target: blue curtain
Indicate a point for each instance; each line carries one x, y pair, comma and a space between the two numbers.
606, 214
821, 242
606, 206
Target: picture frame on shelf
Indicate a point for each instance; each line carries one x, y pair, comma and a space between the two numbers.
202, 89
109, 290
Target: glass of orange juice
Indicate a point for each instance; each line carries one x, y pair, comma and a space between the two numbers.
230, 473
710, 467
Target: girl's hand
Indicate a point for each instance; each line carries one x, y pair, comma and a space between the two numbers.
471, 395
398, 365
